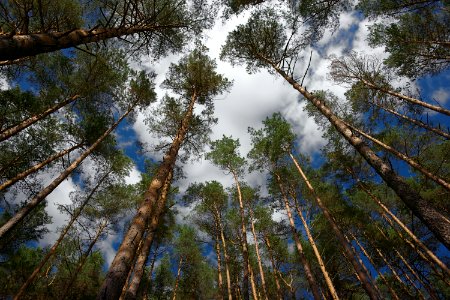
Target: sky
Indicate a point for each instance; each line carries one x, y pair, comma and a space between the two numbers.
250, 100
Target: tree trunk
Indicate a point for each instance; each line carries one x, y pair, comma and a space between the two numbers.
308, 272
406, 98
84, 258
10, 131
225, 253
274, 267
219, 270
416, 240
391, 290
363, 276
38, 166
122, 262
244, 244
130, 273
430, 216
174, 295
414, 121
52, 250
19, 46
33, 203
405, 158
145, 250
328, 281
152, 265
258, 256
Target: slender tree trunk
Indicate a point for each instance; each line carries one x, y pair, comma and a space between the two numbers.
431, 291
33, 203
327, 277
413, 284
274, 267
363, 276
219, 269
308, 272
414, 121
19, 46
10, 131
84, 258
122, 262
38, 166
244, 243
405, 228
391, 290
130, 273
174, 295
258, 256
437, 222
145, 250
225, 253
52, 250
256, 295
152, 266
406, 98
405, 158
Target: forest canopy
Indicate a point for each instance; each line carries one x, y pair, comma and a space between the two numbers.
187, 149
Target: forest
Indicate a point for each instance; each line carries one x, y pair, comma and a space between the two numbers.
226, 149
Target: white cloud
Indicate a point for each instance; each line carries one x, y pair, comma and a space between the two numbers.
134, 176
441, 95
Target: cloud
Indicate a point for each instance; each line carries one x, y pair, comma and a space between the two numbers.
441, 95
134, 176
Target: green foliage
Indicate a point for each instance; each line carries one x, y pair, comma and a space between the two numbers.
162, 285
225, 154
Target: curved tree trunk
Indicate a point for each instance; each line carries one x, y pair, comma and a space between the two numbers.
20, 46
437, 222
406, 98
308, 272
258, 256
52, 250
244, 244
403, 157
38, 166
414, 121
328, 281
10, 131
117, 274
33, 203
362, 275
139, 267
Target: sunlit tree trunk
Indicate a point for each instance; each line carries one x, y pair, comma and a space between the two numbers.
225, 253
130, 273
274, 267
13, 130
362, 275
405, 158
219, 269
148, 240
33, 203
308, 272
435, 220
177, 280
328, 281
38, 166
258, 256
122, 262
55, 246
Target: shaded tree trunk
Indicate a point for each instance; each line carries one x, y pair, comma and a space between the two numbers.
122, 262
274, 267
362, 274
33, 203
10, 131
308, 272
52, 250
38, 166
430, 216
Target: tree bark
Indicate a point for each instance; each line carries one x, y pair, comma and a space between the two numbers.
52, 250
33, 203
258, 256
219, 269
8, 132
130, 273
139, 267
430, 216
327, 277
274, 267
174, 295
225, 253
414, 121
121, 264
38, 166
363, 276
403, 157
19, 46
308, 272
